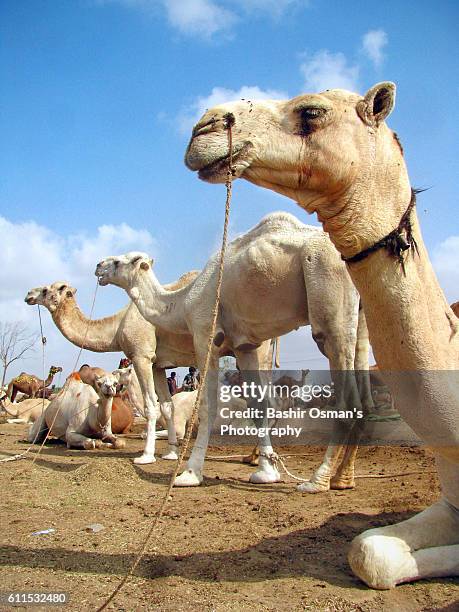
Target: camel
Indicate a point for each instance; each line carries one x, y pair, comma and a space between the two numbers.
278, 276
333, 154
125, 331
79, 415
27, 411
29, 384
122, 410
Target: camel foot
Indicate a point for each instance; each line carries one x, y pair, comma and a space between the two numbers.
188, 478
267, 473
342, 483
312, 487
89, 444
117, 443
144, 459
170, 456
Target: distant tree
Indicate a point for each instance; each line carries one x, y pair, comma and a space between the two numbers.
15, 341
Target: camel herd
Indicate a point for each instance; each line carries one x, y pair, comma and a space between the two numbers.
366, 278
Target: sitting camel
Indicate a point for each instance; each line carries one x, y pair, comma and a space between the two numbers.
79, 415
333, 153
29, 384
122, 411
278, 276
26, 411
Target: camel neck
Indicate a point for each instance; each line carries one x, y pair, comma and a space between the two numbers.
97, 335
157, 305
104, 411
397, 303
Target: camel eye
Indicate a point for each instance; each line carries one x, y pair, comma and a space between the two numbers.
309, 116
312, 112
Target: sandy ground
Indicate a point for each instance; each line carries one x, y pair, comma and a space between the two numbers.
226, 545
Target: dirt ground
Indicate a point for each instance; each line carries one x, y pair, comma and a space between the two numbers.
226, 545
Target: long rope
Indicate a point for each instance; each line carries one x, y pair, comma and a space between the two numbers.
229, 122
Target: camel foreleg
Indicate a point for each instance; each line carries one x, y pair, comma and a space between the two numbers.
192, 475
144, 373
424, 546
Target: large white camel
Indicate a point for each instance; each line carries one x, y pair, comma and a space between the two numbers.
333, 154
79, 415
278, 276
129, 332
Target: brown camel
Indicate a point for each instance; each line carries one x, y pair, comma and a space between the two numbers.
29, 384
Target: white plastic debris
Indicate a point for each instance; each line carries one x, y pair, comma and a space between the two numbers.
43, 532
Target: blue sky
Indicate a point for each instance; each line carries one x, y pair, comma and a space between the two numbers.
98, 98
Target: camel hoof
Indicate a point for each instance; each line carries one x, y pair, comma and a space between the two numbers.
312, 487
170, 456
144, 459
188, 478
373, 558
342, 483
265, 476
89, 444
119, 443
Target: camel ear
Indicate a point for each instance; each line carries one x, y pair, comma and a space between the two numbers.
377, 103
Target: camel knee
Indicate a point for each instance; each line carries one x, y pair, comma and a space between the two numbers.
381, 561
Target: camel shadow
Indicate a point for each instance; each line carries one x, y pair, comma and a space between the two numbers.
236, 483
310, 552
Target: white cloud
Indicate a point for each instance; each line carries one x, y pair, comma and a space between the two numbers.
207, 18
373, 43
274, 8
36, 255
445, 260
326, 70
199, 17
219, 95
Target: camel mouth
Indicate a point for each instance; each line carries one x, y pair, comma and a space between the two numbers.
218, 169
102, 281
30, 301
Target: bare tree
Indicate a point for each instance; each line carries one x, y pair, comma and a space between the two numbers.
15, 341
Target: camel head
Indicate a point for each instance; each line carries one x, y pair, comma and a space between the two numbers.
106, 385
324, 150
50, 296
54, 370
124, 376
123, 270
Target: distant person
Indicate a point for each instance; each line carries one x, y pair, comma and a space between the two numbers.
172, 383
191, 380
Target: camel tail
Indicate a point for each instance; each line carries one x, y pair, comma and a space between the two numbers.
38, 431
9, 391
277, 354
